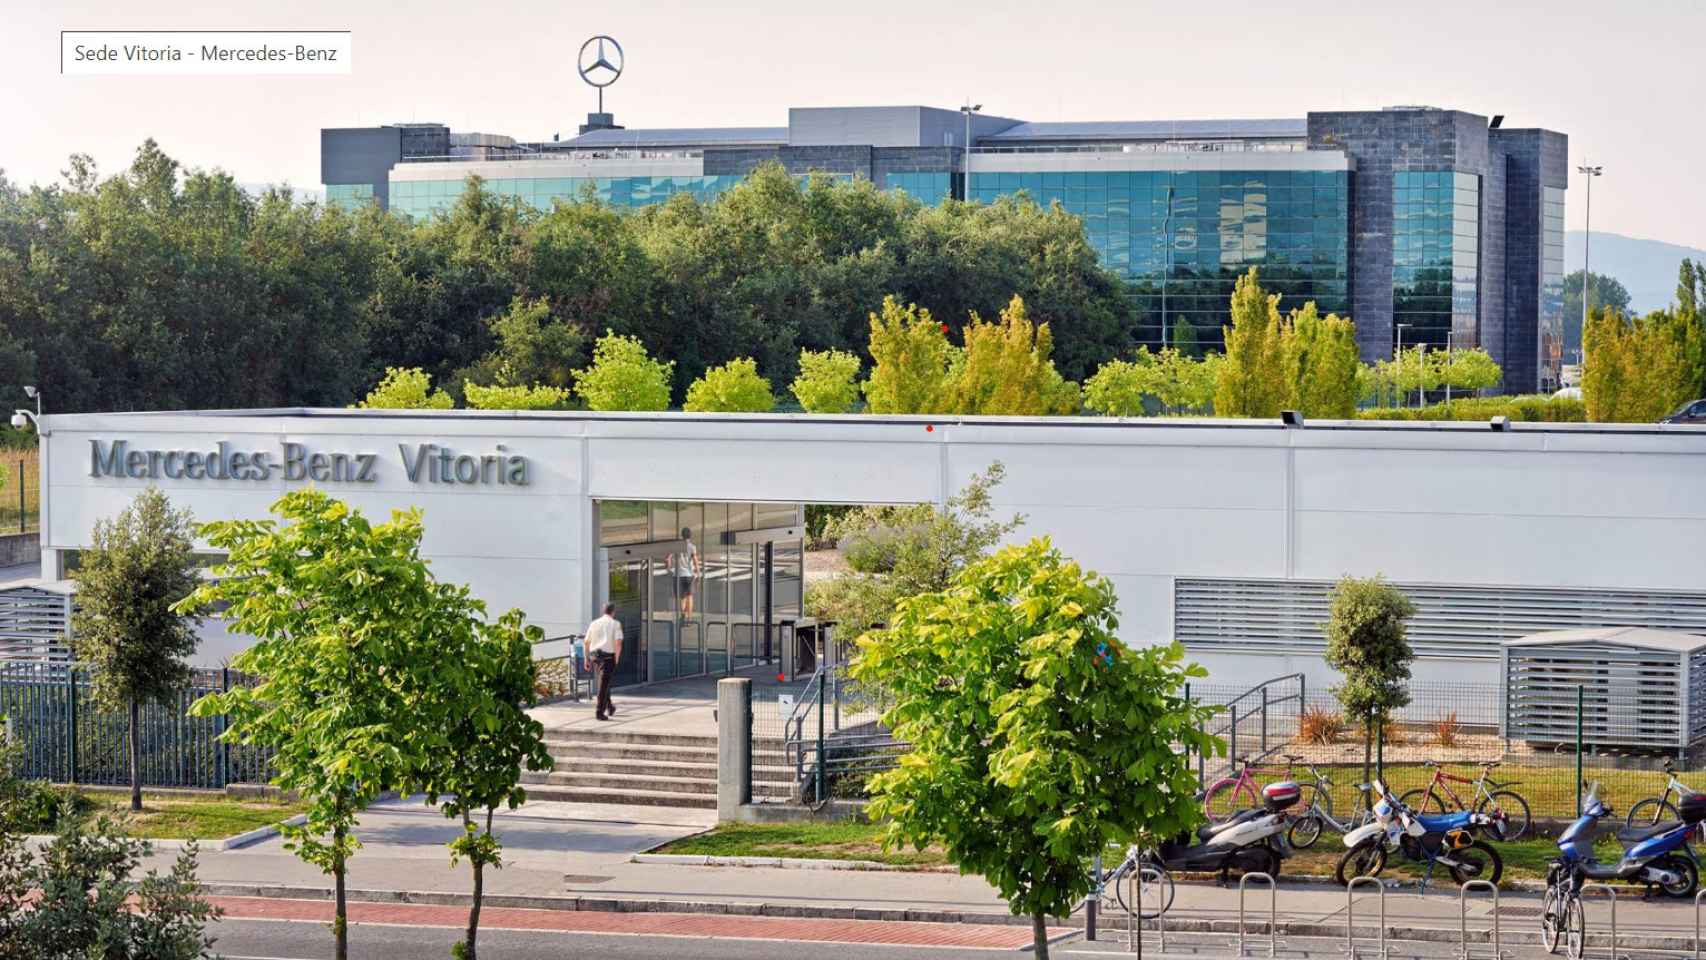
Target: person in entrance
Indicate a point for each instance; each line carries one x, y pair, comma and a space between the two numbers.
604, 646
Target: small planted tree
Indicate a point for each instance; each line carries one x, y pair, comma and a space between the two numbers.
137, 566
406, 389
1118, 387
1038, 737
343, 612
1007, 368
910, 356
826, 382
1252, 378
623, 376
1367, 643
734, 387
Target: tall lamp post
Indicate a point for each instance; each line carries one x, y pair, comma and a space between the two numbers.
965, 175
1398, 364
22, 418
1590, 172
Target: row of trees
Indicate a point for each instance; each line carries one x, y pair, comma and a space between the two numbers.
159, 288
1638, 369
373, 674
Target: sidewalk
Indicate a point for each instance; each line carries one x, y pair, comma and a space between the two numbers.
576, 857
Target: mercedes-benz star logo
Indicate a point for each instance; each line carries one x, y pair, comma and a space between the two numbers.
603, 65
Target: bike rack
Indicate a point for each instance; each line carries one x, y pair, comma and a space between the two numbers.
1134, 916
1697, 901
1273, 911
1463, 918
1350, 917
1612, 893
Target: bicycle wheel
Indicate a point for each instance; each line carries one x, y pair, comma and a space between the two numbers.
1366, 859
1421, 801
1222, 799
1513, 806
1305, 830
1478, 861
1551, 920
1157, 892
1575, 928
1651, 812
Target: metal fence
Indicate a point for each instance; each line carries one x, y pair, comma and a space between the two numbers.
20, 491
67, 738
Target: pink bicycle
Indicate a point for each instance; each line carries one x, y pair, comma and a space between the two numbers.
1240, 791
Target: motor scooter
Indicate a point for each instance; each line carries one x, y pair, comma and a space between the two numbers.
1448, 840
1658, 856
1250, 841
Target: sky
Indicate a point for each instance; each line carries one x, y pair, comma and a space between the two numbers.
1623, 81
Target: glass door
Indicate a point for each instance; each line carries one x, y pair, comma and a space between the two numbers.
628, 592
661, 624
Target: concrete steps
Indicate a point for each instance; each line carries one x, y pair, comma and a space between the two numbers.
649, 769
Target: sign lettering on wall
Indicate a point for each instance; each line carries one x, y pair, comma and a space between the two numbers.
295, 463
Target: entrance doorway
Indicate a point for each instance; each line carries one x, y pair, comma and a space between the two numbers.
696, 584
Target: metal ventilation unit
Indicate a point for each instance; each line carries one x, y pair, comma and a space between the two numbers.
35, 622
1639, 688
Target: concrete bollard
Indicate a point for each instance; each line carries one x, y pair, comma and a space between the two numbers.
734, 747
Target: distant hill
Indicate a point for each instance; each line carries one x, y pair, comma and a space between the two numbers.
1646, 267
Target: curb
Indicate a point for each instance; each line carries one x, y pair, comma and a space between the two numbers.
225, 843
784, 863
1294, 928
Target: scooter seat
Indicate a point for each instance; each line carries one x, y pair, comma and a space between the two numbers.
1441, 822
1208, 830
1637, 834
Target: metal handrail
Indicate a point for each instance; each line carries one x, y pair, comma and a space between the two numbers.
1350, 916
1273, 911
1463, 918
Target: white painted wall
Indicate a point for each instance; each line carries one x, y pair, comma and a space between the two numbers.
1142, 501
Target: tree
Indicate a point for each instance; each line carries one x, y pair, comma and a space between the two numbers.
826, 383
1471, 369
343, 612
533, 347
734, 387
1038, 738
623, 376
1640, 369
137, 566
536, 397
1415, 371
1006, 369
910, 359
1320, 356
489, 736
1118, 387
1252, 380
406, 390
1366, 642
1603, 292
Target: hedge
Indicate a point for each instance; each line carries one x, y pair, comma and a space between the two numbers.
1539, 408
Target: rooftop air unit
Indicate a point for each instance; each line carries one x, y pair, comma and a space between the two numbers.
1640, 689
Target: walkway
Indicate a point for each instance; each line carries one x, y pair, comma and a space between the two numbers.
681, 707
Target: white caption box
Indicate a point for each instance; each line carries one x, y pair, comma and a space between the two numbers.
195, 52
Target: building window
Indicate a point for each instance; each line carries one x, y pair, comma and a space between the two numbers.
1436, 232
349, 196
1555, 348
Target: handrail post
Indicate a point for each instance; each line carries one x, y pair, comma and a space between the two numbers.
1463, 917
820, 761
1273, 911
1264, 718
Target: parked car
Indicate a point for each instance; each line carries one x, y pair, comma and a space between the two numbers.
1693, 411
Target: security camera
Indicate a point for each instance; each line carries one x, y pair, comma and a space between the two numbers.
30, 392
1500, 423
19, 421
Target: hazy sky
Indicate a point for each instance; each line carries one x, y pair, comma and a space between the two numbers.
1623, 80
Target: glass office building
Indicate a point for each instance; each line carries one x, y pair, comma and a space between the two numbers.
1438, 220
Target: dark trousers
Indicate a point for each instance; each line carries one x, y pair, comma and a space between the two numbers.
604, 670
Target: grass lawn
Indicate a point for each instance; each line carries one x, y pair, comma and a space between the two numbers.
845, 840
184, 818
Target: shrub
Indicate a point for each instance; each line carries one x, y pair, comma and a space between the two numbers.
826, 381
1446, 729
734, 387
406, 389
1529, 408
536, 397
623, 376
1321, 725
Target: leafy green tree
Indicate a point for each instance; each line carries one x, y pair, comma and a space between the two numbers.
1038, 738
136, 567
910, 361
79, 897
1252, 377
1603, 292
1638, 370
536, 397
1118, 387
406, 390
1415, 371
1367, 644
1471, 369
623, 376
344, 616
490, 738
1321, 361
734, 387
533, 347
1006, 369
827, 381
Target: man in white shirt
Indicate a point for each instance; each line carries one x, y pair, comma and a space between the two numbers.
604, 646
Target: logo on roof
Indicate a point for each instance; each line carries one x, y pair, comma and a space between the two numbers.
600, 61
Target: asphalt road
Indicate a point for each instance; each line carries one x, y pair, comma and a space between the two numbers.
297, 940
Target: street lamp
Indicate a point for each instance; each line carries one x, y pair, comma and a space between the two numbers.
1167, 260
22, 418
1587, 242
965, 175
1398, 364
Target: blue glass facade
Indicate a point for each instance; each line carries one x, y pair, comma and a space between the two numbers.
349, 195
929, 188
1184, 237
422, 198
1552, 342
1436, 232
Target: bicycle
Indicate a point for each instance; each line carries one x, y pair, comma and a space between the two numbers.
1156, 884
1220, 800
1317, 815
1662, 810
1491, 797
1562, 917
